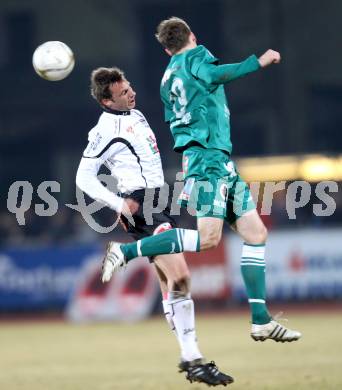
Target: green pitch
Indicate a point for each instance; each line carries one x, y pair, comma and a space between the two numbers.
59, 356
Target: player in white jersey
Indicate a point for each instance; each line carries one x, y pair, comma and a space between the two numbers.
124, 142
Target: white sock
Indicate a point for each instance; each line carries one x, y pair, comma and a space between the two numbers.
183, 317
168, 315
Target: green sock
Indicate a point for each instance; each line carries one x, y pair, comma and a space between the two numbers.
253, 273
172, 241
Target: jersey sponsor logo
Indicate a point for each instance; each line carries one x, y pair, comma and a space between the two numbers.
152, 143
94, 143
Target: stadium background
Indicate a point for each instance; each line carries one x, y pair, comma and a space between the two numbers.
286, 125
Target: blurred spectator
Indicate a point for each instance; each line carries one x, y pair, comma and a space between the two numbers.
82, 233
60, 226
10, 232
35, 228
279, 212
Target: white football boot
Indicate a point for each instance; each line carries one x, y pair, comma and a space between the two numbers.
274, 331
113, 260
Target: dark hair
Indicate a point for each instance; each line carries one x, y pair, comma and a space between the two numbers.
100, 81
173, 34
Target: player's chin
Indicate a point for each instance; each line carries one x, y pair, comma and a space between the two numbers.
131, 104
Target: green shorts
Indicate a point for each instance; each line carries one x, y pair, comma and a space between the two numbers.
213, 187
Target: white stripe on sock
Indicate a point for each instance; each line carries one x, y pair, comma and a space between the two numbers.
246, 252
179, 240
255, 245
190, 240
256, 300
139, 248
255, 264
257, 252
181, 232
252, 260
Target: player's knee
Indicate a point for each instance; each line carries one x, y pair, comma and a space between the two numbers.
263, 234
259, 236
182, 283
210, 240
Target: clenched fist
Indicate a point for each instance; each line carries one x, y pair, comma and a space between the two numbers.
269, 57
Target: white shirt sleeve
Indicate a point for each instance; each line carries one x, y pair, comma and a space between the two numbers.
101, 146
88, 182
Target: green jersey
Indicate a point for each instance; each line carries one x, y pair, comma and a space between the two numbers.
194, 99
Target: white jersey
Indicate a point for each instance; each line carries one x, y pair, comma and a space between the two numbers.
125, 143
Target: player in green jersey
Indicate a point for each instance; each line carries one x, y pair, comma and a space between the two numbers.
197, 111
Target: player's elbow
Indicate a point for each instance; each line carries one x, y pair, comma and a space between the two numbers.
216, 77
213, 78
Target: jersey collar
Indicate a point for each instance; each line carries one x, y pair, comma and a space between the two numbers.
116, 112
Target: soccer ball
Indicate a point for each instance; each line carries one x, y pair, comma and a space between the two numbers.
53, 60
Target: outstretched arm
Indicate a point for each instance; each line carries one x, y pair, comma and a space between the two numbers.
221, 74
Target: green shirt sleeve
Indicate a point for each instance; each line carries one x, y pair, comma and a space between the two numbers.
221, 74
